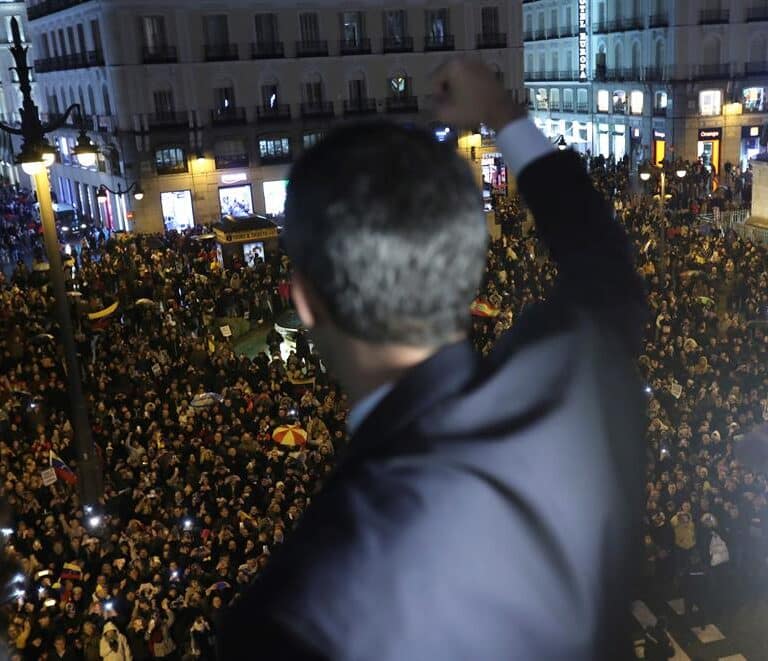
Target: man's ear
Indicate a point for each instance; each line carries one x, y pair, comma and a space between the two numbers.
308, 305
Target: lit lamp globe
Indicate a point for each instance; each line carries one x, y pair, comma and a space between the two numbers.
138, 194
645, 173
681, 173
33, 167
85, 151
49, 156
101, 196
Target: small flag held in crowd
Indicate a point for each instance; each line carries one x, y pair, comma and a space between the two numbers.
63, 472
221, 585
71, 572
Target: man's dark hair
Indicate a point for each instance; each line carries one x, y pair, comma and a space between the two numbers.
386, 225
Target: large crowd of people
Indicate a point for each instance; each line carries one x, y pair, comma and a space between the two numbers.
199, 488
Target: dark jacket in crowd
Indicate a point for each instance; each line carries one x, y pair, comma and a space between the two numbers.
441, 535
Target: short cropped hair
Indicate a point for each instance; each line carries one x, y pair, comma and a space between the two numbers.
386, 224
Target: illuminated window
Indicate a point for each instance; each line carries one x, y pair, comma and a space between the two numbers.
275, 149
620, 102
603, 101
753, 99
660, 102
170, 160
636, 102
710, 102
398, 85
311, 139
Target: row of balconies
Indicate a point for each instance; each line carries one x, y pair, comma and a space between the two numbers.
652, 74
49, 7
75, 61
282, 112
166, 54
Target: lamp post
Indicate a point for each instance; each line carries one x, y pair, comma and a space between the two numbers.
138, 194
645, 174
560, 142
35, 157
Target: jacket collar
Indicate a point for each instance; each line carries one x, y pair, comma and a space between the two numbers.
420, 388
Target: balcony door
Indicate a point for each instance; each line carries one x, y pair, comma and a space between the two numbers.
266, 29
154, 33
216, 30
309, 27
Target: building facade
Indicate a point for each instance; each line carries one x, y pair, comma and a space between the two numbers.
651, 79
10, 98
205, 106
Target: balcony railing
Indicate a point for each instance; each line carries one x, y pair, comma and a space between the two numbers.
433, 42
659, 112
317, 109
160, 55
267, 50
317, 48
360, 46
228, 116
567, 32
755, 68
221, 52
492, 40
582, 107
402, 104
272, 159
567, 106
601, 27
631, 23
713, 16
277, 113
755, 14
397, 44
658, 21
359, 106
76, 61
171, 119
41, 9
710, 71
618, 75
654, 73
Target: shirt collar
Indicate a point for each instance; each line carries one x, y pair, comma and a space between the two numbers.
360, 411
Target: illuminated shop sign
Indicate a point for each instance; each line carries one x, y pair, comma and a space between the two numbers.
710, 134
583, 55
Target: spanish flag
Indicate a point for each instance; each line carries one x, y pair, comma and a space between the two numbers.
71, 572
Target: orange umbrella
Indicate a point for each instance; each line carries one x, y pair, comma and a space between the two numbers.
292, 435
480, 308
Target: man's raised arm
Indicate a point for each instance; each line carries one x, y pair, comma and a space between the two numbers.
590, 248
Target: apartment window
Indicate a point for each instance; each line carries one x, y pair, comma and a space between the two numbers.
395, 27
603, 101
399, 86
567, 99
311, 139
660, 101
216, 30
309, 27
231, 154
436, 22
270, 96
753, 99
357, 90
153, 33
581, 98
164, 103
620, 102
710, 102
542, 102
352, 31
62, 43
554, 99
272, 148
71, 38
224, 99
555, 62
313, 91
636, 102
567, 20
96, 36
45, 46
529, 24
266, 29
81, 38
170, 160
489, 20
553, 22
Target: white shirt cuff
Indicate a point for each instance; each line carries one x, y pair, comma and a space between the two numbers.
522, 144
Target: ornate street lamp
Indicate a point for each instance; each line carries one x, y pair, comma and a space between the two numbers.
138, 193
35, 157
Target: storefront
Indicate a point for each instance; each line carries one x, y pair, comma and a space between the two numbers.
177, 210
659, 150
750, 144
274, 197
619, 141
236, 201
249, 240
709, 148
